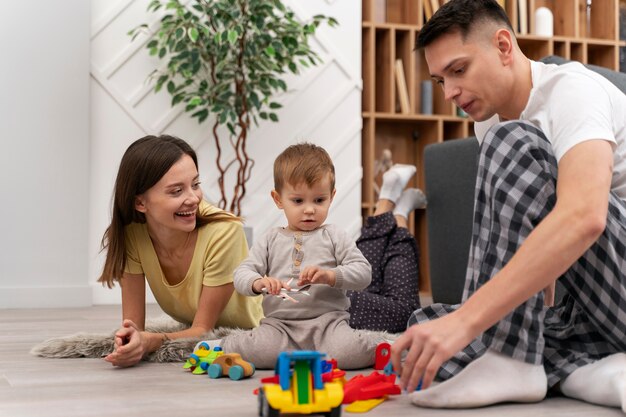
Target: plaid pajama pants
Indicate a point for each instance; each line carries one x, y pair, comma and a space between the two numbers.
515, 190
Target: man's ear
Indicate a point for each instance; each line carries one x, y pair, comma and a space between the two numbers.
140, 205
276, 198
505, 44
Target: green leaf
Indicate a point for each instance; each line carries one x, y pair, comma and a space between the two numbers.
193, 34
177, 99
273, 117
179, 33
201, 115
195, 100
232, 36
162, 52
270, 51
275, 105
263, 115
171, 87
293, 68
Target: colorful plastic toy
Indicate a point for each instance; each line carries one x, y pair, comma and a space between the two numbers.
375, 385
300, 388
383, 354
231, 364
201, 358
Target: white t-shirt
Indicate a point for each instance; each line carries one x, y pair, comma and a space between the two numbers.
572, 104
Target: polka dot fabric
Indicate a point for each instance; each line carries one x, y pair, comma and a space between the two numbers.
393, 295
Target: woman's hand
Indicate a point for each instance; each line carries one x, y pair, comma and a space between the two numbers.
129, 346
429, 344
317, 275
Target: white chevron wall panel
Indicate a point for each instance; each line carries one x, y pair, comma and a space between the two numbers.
323, 105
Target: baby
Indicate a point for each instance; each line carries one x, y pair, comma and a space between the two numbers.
309, 253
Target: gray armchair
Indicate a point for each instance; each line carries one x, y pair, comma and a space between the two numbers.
450, 176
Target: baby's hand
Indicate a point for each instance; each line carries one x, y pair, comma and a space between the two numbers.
317, 275
271, 285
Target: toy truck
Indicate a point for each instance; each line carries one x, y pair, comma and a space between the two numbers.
300, 388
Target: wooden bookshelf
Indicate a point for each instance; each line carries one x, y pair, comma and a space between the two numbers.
389, 29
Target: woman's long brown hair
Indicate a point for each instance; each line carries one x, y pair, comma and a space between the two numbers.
144, 163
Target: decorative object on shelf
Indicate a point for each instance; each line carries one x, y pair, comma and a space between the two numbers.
381, 166
426, 88
544, 22
403, 91
227, 59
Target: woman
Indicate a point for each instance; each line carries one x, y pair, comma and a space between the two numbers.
163, 232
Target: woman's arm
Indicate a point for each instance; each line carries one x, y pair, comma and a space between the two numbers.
132, 343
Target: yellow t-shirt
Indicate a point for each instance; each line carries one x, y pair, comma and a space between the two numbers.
220, 248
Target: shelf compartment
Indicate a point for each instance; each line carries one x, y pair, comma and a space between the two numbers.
404, 11
535, 47
384, 49
602, 55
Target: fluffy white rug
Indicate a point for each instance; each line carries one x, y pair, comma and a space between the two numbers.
94, 345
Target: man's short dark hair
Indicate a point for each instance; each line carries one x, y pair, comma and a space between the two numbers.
461, 16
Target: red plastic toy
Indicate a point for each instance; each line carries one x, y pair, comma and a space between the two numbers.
375, 385
383, 354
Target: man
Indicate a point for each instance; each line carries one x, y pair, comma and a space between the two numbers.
550, 204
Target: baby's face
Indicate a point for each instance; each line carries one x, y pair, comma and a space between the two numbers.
306, 208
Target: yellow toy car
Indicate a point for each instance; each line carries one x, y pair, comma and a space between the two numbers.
300, 388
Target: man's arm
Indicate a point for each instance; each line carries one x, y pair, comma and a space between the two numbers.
575, 223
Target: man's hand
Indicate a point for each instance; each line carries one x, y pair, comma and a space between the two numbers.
317, 275
429, 344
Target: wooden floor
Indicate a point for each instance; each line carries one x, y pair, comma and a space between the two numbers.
32, 386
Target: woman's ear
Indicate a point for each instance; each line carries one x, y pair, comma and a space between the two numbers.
277, 200
140, 205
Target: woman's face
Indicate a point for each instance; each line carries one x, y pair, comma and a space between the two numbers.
172, 203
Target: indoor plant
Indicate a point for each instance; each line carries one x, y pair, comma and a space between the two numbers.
226, 59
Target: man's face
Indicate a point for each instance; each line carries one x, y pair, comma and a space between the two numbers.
469, 72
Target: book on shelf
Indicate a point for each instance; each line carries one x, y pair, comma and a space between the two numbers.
522, 12
401, 88
428, 9
434, 4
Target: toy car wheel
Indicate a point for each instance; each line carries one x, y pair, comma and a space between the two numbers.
335, 412
194, 359
204, 346
215, 371
265, 409
236, 372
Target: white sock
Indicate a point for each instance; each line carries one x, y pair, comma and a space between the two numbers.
602, 382
395, 180
490, 379
410, 199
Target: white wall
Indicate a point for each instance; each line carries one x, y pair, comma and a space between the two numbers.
44, 157
74, 97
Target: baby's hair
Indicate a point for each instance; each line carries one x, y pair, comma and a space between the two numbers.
303, 163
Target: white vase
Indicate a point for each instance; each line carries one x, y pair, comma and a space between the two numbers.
544, 22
